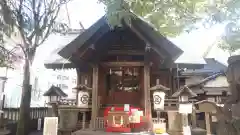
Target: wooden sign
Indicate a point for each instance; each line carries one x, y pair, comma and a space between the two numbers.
50, 126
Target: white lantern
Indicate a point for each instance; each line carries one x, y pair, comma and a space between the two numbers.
183, 98
54, 99
158, 100
83, 99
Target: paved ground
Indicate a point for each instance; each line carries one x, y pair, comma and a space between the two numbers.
36, 133
88, 132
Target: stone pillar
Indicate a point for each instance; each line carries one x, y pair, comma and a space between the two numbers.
194, 118
83, 120
208, 123
147, 102
68, 118
94, 96
174, 123
55, 110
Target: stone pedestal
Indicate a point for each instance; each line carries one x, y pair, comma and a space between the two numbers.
68, 120
174, 123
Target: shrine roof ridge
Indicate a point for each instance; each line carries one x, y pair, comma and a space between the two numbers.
101, 27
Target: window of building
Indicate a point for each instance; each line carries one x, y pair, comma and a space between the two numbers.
124, 78
62, 86
65, 78
61, 77
74, 81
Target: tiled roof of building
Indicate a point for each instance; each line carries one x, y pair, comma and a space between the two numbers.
211, 67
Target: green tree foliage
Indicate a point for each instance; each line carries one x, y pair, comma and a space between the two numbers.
230, 14
172, 17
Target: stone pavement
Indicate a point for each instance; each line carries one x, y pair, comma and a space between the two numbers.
36, 133
89, 132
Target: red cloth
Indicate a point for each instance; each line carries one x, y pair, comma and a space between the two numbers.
131, 125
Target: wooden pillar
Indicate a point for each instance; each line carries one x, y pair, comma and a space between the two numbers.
94, 96
83, 120
147, 102
208, 123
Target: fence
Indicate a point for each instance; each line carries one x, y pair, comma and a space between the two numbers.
100, 122
13, 114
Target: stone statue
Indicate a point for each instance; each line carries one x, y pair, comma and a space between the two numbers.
229, 115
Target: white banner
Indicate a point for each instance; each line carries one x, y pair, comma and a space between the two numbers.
185, 108
83, 99
158, 100
186, 130
50, 126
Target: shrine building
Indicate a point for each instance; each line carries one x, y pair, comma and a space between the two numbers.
118, 66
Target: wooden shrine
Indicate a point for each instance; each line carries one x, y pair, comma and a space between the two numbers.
119, 66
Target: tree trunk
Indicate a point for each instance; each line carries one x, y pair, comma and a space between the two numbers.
24, 120
228, 123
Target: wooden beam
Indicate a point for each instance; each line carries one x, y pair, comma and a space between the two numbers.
94, 96
124, 64
147, 102
125, 52
208, 123
160, 53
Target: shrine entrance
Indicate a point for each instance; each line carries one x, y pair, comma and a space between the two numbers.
124, 86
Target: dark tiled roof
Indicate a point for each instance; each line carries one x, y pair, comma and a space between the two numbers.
203, 81
212, 66
82, 87
139, 26
199, 88
184, 91
55, 91
159, 87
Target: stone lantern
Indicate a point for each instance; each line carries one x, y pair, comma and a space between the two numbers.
185, 107
159, 92
54, 94
83, 95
